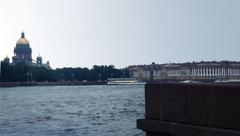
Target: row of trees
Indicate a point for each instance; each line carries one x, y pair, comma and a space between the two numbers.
22, 72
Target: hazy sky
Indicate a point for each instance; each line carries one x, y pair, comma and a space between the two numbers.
81, 33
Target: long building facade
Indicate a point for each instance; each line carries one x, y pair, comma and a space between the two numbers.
200, 71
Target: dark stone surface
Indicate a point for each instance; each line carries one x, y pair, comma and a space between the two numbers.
163, 104
151, 134
154, 126
203, 105
165, 128
191, 130
196, 105
224, 107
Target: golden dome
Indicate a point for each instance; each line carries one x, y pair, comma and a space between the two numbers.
22, 40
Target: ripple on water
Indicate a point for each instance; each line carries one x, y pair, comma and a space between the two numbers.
68, 110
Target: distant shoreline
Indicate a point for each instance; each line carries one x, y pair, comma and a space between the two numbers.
64, 83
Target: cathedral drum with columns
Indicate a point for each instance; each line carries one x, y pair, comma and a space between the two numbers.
22, 51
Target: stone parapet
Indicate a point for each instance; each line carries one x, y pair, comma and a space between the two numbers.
191, 109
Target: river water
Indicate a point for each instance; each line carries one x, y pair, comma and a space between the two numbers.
71, 110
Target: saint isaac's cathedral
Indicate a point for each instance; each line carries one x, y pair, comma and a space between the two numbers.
23, 53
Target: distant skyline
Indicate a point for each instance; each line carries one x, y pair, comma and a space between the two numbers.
83, 33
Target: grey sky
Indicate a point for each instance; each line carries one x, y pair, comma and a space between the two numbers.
122, 32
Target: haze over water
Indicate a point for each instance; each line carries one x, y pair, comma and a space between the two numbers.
71, 110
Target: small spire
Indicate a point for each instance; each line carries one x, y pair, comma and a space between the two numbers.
23, 35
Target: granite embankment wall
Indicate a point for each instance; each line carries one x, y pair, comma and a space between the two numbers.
65, 83
191, 110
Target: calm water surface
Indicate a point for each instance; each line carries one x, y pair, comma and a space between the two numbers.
71, 110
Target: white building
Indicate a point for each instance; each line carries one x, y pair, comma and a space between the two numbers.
187, 71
